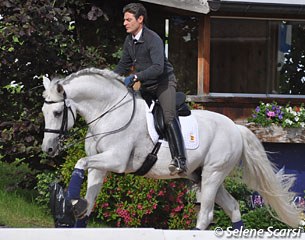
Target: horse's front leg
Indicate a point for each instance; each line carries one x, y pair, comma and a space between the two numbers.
115, 160
94, 185
112, 161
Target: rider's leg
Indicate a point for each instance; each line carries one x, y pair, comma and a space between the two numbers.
176, 144
166, 94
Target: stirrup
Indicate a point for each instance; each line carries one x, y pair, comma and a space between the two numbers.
176, 167
79, 207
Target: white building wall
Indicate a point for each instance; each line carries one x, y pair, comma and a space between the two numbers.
292, 2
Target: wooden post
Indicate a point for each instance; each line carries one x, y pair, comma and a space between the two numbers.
204, 34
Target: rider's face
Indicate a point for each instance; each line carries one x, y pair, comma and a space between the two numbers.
132, 24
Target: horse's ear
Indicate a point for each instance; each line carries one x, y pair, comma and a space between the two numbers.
60, 89
46, 82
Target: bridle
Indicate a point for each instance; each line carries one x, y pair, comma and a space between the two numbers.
64, 124
63, 131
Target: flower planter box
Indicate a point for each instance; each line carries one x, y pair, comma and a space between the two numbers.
277, 134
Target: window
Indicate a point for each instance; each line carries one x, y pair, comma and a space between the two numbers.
183, 51
256, 56
290, 74
180, 35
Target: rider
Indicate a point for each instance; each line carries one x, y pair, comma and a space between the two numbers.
143, 53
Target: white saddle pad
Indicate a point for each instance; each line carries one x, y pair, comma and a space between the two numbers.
189, 129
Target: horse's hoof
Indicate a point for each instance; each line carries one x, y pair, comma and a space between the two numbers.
79, 207
82, 223
196, 229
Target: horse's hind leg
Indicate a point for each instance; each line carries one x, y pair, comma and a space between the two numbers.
94, 185
229, 204
211, 181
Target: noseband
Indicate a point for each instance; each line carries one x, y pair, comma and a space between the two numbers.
64, 124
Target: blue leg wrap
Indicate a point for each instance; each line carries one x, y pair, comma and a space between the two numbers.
238, 225
75, 184
82, 223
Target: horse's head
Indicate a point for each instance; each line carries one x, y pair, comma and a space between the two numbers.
59, 116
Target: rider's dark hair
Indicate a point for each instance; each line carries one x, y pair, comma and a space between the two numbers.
137, 9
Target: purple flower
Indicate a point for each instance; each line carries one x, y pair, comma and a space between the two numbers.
257, 109
278, 111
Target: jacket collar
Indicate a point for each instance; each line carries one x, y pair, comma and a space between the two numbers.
141, 39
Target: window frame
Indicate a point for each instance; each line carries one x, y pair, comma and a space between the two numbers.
204, 51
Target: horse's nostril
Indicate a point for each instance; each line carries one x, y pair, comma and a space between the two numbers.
50, 150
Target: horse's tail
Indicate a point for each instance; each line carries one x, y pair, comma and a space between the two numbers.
260, 175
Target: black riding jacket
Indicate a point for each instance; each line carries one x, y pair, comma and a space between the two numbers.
148, 58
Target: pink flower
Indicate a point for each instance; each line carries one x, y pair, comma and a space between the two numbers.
104, 205
106, 214
271, 114
161, 193
178, 208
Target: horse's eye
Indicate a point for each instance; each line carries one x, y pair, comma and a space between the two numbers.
57, 113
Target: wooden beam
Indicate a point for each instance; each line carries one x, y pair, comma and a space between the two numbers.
200, 68
206, 54
188, 5
203, 79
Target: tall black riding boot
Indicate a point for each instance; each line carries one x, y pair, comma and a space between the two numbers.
176, 146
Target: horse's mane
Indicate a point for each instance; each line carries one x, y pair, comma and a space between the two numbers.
106, 73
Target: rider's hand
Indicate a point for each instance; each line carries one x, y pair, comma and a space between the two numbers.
130, 80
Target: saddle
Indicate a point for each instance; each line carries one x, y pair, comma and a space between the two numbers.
181, 108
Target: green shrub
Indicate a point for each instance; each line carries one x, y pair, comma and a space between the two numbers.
17, 177
131, 201
260, 218
43, 183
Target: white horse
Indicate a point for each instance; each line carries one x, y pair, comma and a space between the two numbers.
118, 141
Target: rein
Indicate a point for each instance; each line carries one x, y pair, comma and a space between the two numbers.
109, 110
